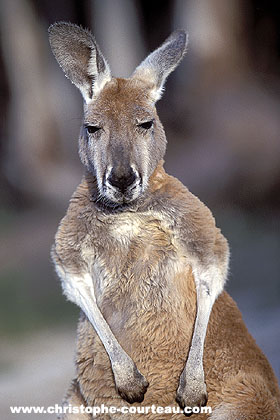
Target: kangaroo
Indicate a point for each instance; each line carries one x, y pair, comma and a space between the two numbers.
143, 259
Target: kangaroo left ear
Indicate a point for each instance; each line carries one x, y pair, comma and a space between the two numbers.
159, 64
79, 56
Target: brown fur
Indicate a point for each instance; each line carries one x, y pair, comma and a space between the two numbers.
155, 325
238, 375
143, 258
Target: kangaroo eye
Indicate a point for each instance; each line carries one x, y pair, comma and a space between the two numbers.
91, 129
146, 125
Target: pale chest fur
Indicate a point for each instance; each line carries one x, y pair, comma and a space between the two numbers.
140, 271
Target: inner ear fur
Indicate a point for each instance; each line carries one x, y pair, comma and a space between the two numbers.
155, 69
79, 56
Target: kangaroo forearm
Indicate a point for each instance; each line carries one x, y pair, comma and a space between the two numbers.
79, 289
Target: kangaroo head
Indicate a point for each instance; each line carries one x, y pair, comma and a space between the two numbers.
122, 139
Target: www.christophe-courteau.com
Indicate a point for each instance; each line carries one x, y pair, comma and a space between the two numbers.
103, 409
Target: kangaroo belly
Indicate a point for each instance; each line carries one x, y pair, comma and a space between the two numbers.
141, 322
156, 336
158, 339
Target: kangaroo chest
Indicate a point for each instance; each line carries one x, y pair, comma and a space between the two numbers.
139, 258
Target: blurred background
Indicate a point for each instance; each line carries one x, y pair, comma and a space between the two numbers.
221, 113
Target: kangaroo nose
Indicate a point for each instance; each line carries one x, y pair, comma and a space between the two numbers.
122, 180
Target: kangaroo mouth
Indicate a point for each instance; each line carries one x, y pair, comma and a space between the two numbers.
121, 191
121, 197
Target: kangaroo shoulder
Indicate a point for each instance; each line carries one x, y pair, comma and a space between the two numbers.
174, 196
192, 220
73, 230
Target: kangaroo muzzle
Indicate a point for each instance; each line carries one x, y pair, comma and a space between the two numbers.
122, 180
122, 184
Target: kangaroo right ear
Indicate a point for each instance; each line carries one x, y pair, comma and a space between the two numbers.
160, 63
79, 56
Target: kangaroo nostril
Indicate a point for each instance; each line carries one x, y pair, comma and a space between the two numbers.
122, 180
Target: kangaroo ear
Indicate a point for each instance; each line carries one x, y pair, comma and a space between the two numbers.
80, 58
160, 63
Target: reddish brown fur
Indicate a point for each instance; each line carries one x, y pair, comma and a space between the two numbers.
238, 375
144, 259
